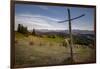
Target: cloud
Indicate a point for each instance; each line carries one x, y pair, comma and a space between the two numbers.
49, 9
38, 22
43, 7
44, 22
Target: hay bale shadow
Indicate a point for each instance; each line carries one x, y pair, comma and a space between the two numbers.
31, 43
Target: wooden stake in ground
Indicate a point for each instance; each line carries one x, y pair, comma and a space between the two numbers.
70, 32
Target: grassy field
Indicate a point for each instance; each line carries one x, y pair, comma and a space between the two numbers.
34, 51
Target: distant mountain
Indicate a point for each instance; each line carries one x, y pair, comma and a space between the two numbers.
62, 32
82, 32
51, 32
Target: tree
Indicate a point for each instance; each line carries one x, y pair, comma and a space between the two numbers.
22, 29
33, 32
19, 28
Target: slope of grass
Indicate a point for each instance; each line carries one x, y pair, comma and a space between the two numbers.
34, 50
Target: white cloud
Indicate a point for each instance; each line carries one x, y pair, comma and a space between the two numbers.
38, 22
43, 7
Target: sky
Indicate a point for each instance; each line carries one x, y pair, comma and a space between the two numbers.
48, 17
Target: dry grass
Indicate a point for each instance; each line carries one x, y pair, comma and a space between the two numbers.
33, 51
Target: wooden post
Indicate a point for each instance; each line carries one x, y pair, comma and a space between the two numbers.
70, 33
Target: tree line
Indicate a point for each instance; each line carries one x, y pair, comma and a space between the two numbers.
24, 30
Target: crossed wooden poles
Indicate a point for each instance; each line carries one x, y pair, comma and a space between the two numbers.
70, 31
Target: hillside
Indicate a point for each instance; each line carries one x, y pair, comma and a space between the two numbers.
36, 51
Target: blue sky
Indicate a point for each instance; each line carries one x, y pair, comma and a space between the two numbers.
47, 17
